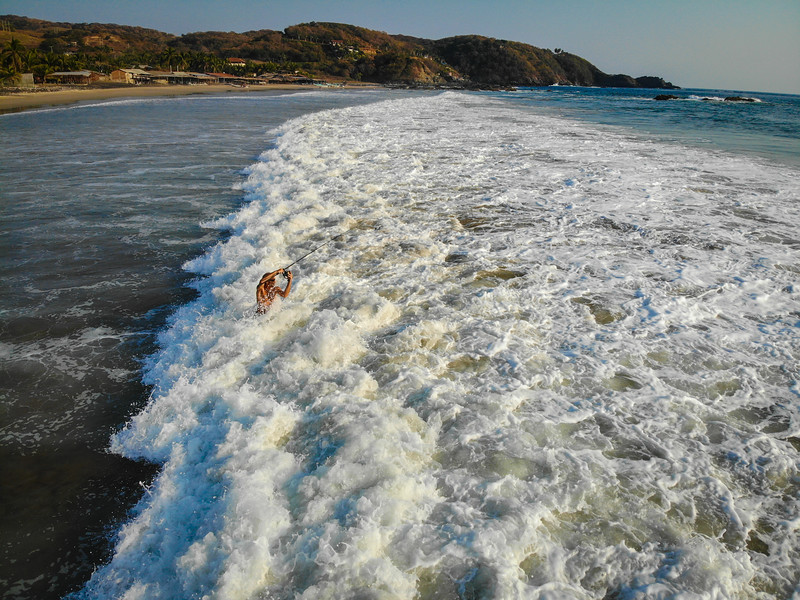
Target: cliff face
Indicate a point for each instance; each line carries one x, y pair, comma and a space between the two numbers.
323, 49
581, 72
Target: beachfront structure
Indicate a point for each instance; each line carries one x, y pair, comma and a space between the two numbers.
285, 78
130, 76
73, 77
228, 79
204, 78
181, 77
137, 76
141, 76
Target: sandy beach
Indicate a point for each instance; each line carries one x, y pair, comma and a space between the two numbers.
12, 102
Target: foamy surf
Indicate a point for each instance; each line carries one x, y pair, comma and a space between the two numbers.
546, 361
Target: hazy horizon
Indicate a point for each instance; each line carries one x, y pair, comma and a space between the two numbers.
734, 45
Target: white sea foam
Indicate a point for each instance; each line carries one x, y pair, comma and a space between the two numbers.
722, 98
546, 361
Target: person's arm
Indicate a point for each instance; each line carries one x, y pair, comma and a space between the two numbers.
284, 293
267, 276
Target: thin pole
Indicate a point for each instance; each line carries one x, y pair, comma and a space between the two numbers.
314, 250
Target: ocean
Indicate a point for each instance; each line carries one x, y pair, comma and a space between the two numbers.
554, 352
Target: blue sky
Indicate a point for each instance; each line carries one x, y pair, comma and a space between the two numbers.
747, 45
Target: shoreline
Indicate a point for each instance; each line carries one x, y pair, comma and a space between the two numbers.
19, 101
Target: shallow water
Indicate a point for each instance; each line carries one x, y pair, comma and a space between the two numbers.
548, 360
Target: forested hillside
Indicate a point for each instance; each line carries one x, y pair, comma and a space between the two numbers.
322, 50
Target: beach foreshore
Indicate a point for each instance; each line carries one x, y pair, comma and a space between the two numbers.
12, 102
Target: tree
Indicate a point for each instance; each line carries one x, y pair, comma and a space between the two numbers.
14, 55
117, 62
182, 60
9, 76
144, 58
31, 59
168, 56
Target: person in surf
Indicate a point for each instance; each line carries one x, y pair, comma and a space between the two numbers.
267, 289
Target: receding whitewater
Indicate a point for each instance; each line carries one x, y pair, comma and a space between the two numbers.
547, 360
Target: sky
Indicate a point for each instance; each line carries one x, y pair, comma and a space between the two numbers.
740, 45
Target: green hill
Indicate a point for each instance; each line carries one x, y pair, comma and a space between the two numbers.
323, 50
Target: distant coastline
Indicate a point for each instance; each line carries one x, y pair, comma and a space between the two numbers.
48, 52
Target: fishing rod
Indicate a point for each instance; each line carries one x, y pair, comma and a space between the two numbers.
314, 250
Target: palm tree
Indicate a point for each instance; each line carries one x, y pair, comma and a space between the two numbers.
202, 61
49, 63
215, 64
14, 55
8, 76
78, 62
31, 59
144, 58
168, 56
117, 62
183, 59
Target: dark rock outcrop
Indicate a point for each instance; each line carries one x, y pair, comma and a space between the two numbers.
655, 83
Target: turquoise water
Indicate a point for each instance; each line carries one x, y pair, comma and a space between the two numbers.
541, 288
768, 127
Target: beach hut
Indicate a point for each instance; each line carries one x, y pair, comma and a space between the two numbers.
206, 78
228, 79
182, 78
73, 77
130, 76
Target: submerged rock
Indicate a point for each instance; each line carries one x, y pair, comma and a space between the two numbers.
666, 97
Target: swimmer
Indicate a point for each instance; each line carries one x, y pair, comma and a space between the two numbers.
266, 289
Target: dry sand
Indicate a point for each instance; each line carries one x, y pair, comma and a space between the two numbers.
23, 100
